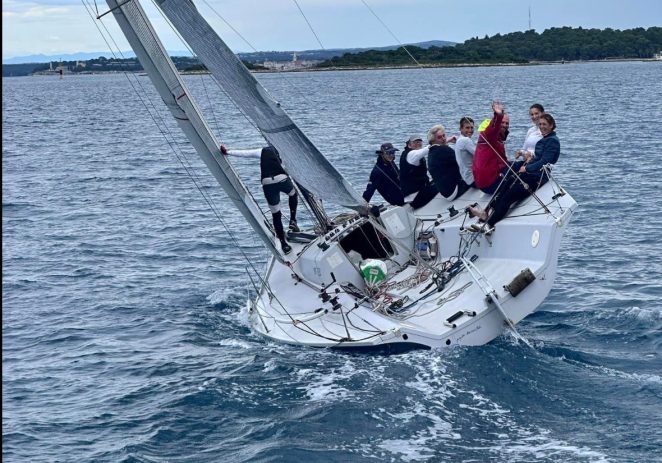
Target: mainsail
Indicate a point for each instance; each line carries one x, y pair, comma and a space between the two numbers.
159, 67
303, 161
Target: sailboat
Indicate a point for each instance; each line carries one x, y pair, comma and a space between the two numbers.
393, 277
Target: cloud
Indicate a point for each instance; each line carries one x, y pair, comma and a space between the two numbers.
42, 11
32, 10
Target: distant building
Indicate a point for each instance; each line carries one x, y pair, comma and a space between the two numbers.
295, 63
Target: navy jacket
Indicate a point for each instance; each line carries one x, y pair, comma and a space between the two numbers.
385, 178
444, 170
548, 150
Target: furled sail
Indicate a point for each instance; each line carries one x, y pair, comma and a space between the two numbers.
303, 161
159, 67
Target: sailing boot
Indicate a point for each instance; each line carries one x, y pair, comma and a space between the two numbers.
293, 201
280, 232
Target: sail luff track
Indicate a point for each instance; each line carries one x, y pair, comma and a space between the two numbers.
159, 67
303, 161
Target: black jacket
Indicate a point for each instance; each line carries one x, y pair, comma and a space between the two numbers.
412, 178
270, 163
385, 178
444, 170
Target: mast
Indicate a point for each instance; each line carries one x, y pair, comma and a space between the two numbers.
302, 160
162, 72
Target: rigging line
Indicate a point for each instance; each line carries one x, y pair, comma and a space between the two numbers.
309, 25
154, 112
168, 135
220, 87
172, 144
392, 34
289, 82
531, 191
185, 44
294, 322
373, 332
230, 26
336, 325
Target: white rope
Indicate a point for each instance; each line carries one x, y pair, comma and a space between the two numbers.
392, 34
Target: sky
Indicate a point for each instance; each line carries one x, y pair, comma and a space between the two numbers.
64, 26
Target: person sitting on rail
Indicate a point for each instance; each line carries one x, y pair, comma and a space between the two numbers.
442, 165
465, 149
414, 181
533, 134
529, 177
490, 161
385, 177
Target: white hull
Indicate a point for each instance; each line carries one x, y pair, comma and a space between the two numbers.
294, 311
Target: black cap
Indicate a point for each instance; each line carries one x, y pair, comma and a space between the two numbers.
387, 148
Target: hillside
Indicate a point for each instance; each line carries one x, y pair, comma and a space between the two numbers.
556, 44
100, 62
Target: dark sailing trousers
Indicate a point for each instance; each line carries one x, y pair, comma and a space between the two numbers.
513, 191
424, 196
278, 225
293, 202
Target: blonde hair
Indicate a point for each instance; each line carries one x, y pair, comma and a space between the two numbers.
433, 132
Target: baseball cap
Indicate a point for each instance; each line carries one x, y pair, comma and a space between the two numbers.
387, 148
414, 138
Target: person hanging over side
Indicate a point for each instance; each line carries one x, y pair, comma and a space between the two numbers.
443, 166
414, 181
385, 177
274, 181
547, 151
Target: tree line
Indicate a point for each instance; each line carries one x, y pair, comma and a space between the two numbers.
103, 64
555, 44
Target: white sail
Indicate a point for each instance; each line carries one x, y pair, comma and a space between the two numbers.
159, 67
303, 161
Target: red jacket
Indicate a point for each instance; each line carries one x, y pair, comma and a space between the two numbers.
490, 156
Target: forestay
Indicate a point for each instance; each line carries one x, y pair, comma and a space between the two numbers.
303, 161
159, 67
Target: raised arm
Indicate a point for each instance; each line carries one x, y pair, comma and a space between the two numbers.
414, 156
249, 153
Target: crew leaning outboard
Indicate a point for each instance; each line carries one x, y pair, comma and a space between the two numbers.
416, 186
274, 182
442, 164
385, 177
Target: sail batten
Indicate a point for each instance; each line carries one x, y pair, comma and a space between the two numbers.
162, 72
303, 161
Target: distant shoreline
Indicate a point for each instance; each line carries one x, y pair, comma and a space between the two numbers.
457, 65
366, 68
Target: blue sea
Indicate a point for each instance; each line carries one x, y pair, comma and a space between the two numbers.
125, 336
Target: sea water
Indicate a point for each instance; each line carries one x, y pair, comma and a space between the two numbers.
125, 333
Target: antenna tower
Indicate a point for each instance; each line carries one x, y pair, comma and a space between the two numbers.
529, 17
